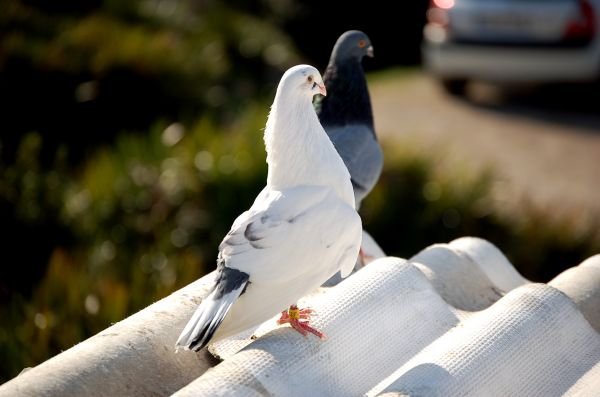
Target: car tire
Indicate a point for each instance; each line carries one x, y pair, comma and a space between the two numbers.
456, 87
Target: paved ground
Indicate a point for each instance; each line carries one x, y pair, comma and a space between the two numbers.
543, 147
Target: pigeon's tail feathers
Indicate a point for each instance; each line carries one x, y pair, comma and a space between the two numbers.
211, 312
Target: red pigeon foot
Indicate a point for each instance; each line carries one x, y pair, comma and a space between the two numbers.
364, 258
293, 316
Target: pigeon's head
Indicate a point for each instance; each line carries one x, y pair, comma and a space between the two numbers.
353, 44
305, 79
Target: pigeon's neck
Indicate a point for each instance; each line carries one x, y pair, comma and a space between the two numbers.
299, 152
348, 100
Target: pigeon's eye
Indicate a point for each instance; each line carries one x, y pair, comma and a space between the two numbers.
362, 43
310, 79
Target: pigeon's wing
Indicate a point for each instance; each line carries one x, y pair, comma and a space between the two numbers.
246, 254
275, 239
361, 153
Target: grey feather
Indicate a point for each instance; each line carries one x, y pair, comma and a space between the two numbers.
361, 153
229, 285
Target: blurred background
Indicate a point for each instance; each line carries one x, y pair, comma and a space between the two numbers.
131, 137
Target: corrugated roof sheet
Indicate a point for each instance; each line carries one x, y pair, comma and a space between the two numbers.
454, 320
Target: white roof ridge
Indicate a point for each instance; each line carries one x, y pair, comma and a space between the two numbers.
532, 342
377, 320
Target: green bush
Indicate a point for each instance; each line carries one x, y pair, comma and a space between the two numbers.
416, 204
143, 218
80, 73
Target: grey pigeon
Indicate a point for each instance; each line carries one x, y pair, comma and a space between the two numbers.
346, 113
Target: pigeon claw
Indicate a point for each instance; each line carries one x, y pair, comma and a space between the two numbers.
298, 319
364, 258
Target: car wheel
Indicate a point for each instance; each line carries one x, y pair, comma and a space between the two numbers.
454, 86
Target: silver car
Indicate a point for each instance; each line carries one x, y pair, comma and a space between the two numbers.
532, 41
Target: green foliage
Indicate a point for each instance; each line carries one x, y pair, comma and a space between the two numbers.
185, 41
145, 218
413, 204
416, 204
80, 73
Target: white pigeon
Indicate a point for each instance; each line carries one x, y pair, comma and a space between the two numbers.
301, 229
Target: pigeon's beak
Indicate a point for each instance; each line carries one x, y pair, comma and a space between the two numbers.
370, 52
322, 89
